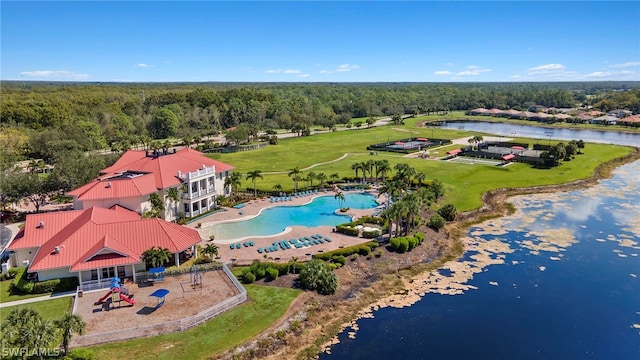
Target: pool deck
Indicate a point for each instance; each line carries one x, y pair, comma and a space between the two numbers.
252, 208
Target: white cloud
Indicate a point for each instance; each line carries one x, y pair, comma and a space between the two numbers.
53, 75
473, 70
341, 68
292, 71
515, 76
347, 67
547, 69
617, 75
449, 64
303, 75
442, 72
143, 65
625, 65
285, 71
272, 71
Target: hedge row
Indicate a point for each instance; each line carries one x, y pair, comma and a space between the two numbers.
363, 249
260, 270
22, 286
347, 229
404, 244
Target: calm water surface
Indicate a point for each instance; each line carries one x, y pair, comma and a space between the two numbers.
321, 211
570, 288
512, 130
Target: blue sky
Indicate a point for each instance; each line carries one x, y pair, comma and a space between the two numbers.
320, 41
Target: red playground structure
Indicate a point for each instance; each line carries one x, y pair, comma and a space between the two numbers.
117, 293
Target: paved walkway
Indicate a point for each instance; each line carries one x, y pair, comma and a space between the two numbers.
37, 299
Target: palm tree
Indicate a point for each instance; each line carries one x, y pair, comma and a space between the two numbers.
357, 167
233, 181
210, 250
157, 206
254, 175
420, 176
340, 196
156, 256
277, 187
413, 203
322, 178
293, 261
24, 328
370, 164
174, 195
69, 324
311, 176
383, 168
295, 173
334, 178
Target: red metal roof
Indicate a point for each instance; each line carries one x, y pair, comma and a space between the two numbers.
165, 167
455, 151
115, 186
84, 238
508, 157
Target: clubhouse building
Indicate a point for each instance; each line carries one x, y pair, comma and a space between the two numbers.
106, 234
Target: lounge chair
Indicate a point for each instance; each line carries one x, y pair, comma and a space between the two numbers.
238, 246
259, 250
232, 246
327, 239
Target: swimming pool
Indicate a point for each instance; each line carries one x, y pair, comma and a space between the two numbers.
274, 220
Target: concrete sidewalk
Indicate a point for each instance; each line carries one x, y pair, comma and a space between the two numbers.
37, 299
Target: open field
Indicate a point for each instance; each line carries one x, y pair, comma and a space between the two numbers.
464, 184
50, 309
226, 331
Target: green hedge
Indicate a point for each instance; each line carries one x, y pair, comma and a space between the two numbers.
339, 259
347, 230
22, 286
372, 234
403, 244
362, 249
260, 270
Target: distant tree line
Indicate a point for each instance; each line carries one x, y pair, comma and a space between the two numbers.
39, 119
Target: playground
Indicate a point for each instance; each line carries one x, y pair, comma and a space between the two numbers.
175, 298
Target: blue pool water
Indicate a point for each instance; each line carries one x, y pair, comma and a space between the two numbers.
274, 220
569, 287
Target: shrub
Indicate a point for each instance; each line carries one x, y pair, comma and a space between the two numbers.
347, 230
272, 273
202, 260
400, 244
260, 273
20, 284
378, 253
13, 272
81, 354
420, 237
339, 259
412, 243
436, 222
248, 277
371, 234
364, 250
317, 276
448, 212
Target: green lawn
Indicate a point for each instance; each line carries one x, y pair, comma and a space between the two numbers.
49, 309
266, 304
465, 183
6, 297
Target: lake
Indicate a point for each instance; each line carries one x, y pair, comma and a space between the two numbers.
558, 279
513, 130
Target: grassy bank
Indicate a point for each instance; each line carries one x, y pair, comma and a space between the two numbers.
230, 329
6, 296
49, 309
465, 183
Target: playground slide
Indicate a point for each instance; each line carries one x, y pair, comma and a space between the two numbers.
127, 299
102, 299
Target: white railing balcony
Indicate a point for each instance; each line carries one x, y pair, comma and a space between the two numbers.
198, 173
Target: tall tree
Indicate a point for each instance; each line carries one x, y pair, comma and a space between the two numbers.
156, 256
339, 195
254, 175
69, 324
174, 196
233, 182
295, 174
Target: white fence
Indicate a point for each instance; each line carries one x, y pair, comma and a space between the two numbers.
167, 327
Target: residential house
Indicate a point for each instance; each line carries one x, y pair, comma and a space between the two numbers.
131, 180
95, 243
605, 120
620, 113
